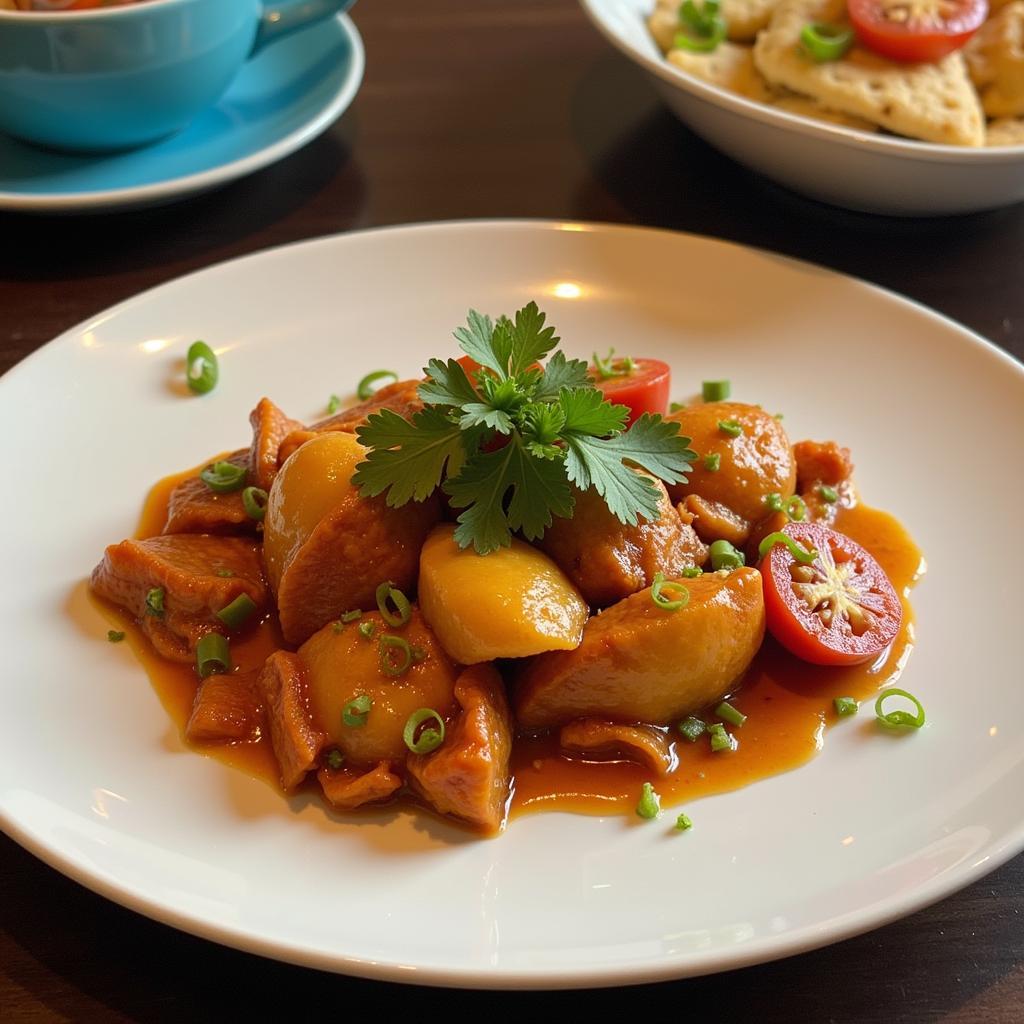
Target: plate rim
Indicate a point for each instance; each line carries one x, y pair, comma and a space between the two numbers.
762, 950
186, 185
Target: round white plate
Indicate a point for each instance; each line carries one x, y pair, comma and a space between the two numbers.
94, 779
281, 100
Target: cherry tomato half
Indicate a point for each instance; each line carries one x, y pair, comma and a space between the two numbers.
644, 388
840, 610
916, 30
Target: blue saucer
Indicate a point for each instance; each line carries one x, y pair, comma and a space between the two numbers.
280, 100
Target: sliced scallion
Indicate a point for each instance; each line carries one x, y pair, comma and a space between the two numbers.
733, 428
801, 554
427, 739
692, 572
659, 597
691, 728
388, 594
828, 494
715, 390
213, 655
845, 706
730, 714
676, 406
224, 477
237, 613
352, 616
725, 556
650, 803
115, 636
713, 462
796, 509
201, 368
720, 738
333, 405
254, 501
394, 655
335, 759
365, 388
899, 719
356, 711
774, 502
823, 43
367, 629
155, 602
683, 823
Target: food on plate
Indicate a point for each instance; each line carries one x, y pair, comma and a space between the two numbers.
933, 71
517, 580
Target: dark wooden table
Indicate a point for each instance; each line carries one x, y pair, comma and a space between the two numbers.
483, 108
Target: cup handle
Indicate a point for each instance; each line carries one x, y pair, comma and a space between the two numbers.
282, 18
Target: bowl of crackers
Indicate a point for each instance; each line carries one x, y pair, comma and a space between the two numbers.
900, 107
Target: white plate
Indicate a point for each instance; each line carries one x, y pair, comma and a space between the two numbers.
873, 171
94, 779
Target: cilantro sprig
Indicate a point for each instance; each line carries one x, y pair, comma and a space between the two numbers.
508, 442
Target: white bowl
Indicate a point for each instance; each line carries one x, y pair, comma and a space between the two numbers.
863, 171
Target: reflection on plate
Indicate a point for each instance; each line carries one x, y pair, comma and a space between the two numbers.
282, 99
96, 782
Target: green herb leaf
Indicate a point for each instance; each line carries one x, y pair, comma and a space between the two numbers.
562, 374
407, 459
529, 341
538, 487
475, 340
587, 412
446, 384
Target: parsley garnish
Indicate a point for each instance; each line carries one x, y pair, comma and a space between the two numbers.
507, 442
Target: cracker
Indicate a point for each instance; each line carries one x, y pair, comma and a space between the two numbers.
808, 108
995, 60
729, 65
743, 19
933, 102
1006, 131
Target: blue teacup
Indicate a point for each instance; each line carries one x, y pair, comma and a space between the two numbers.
114, 78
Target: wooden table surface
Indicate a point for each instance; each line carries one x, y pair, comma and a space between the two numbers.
482, 108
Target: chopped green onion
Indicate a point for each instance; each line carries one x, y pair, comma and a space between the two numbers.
611, 367
237, 613
367, 629
796, 509
823, 42
683, 823
650, 803
225, 573
801, 554
690, 728
667, 603
333, 405
356, 711
385, 650
720, 738
115, 636
778, 416
429, 739
418, 654
201, 371
715, 390
365, 388
676, 406
704, 27
731, 427
335, 759
338, 626
725, 556
899, 719
713, 462
155, 602
774, 502
224, 477
829, 494
352, 616
403, 610
254, 501
732, 715
212, 655
693, 571
845, 706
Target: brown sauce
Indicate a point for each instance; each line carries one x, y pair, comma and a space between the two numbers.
788, 703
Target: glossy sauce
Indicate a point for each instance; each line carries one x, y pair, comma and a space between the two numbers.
788, 703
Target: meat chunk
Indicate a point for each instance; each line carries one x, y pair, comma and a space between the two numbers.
270, 426
347, 789
642, 663
198, 576
641, 743
609, 560
821, 463
745, 455
297, 744
195, 508
468, 775
402, 398
714, 521
227, 709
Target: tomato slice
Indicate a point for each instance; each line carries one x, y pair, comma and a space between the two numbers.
644, 388
916, 30
840, 610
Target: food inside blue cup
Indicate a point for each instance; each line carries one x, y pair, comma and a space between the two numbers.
106, 75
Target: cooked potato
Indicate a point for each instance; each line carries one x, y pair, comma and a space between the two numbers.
341, 666
326, 548
511, 603
757, 462
609, 560
641, 663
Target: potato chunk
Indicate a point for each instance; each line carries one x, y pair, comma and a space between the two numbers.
755, 463
640, 663
341, 666
511, 603
326, 548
